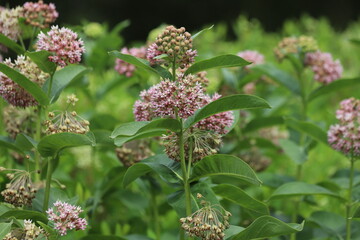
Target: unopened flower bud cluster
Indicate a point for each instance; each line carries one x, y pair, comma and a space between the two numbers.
133, 152
293, 45
39, 14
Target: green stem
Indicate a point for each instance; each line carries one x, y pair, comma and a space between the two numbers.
174, 69
349, 200
47, 187
37, 138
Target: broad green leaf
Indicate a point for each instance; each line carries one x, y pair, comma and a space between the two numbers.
25, 142
222, 61
293, 151
151, 165
226, 165
53, 144
102, 237
25, 214
308, 128
264, 122
119, 141
63, 78
142, 63
274, 180
240, 197
200, 32
330, 222
128, 129
4, 209
103, 137
333, 87
52, 234
25, 83
281, 77
232, 230
10, 143
41, 58
11, 44
300, 189
266, 227
55, 195
5, 228
228, 103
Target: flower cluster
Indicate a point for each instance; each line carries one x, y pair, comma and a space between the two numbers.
18, 120
39, 14
20, 191
176, 44
66, 217
63, 43
125, 68
345, 136
207, 223
252, 56
289, 45
29, 232
15, 94
65, 121
324, 67
133, 152
9, 22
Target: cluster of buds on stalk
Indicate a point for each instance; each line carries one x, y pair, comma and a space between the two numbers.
295, 45
39, 14
133, 152
207, 223
29, 232
20, 191
66, 121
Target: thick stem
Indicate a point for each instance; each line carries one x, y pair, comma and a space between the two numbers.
184, 173
173, 66
349, 200
47, 187
37, 138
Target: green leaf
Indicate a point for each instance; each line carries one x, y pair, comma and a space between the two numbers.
151, 165
308, 128
25, 83
356, 214
11, 44
103, 137
333, 87
330, 222
102, 237
200, 32
240, 197
25, 214
232, 230
301, 189
134, 128
226, 165
51, 145
228, 103
52, 233
10, 143
264, 122
119, 141
25, 142
5, 228
281, 77
142, 63
266, 227
63, 78
55, 195
41, 58
293, 151
222, 61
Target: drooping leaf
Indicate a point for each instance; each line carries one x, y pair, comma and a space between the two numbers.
266, 227
41, 58
25, 214
222, 61
142, 63
333, 87
151, 164
308, 128
226, 165
330, 222
228, 103
52, 144
103, 137
301, 189
119, 141
240, 197
25, 83
10, 143
259, 123
278, 75
25, 142
293, 151
63, 78
200, 32
11, 44
5, 228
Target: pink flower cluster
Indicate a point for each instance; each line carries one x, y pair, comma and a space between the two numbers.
345, 136
40, 14
125, 68
63, 43
181, 98
325, 69
252, 56
66, 217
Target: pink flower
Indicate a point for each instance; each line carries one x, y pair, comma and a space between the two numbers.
63, 43
40, 14
125, 68
66, 217
325, 69
345, 136
252, 56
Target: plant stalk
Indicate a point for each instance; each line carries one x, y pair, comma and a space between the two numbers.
47, 187
156, 222
349, 200
184, 173
37, 138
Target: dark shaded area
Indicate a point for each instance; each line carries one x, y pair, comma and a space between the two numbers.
194, 14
